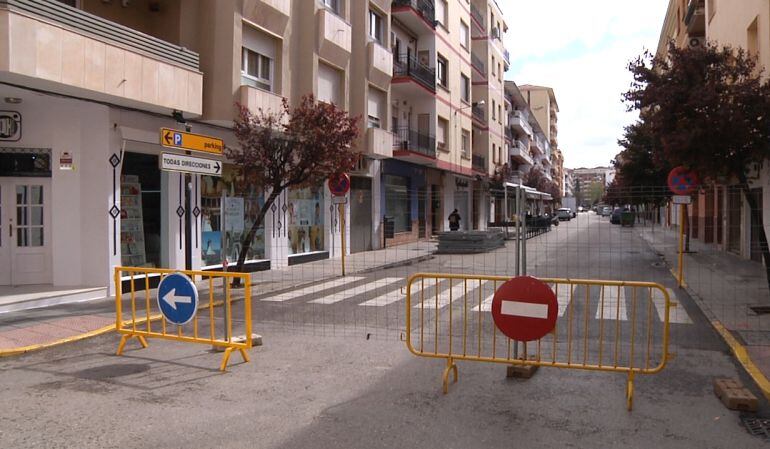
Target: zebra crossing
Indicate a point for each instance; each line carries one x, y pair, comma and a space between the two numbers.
610, 303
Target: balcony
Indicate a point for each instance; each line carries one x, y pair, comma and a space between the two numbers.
57, 48
414, 146
509, 134
479, 163
256, 99
519, 151
507, 58
478, 20
273, 15
334, 37
479, 113
417, 15
538, 144
520, 122
379, 143
408, 68
380, 65
478, 64
695, 19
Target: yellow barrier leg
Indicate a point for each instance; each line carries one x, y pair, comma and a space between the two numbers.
245, 355
124, 340
630, 390
450, 365
225, 359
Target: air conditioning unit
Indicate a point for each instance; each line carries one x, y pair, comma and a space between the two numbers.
496, 32
696, 42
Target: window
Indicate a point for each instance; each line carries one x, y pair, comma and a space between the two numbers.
494, 110
466, 143
334, 5
499, 114
375, 26
441, 70
441, 11
329, 84
256, 70
499, 71
465, 86
257, 59
376, 108
441, 134
464, 35
494, 153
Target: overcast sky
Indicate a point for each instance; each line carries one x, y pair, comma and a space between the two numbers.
581, 49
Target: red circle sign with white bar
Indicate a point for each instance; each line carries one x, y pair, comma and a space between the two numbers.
525, 309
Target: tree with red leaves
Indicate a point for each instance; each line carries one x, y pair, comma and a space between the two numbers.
536, 179
291, 148
709, 108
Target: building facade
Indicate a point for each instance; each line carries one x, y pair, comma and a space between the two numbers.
88, 84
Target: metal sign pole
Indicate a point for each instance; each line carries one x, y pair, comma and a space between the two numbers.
223, 250
342, 234
680, 277
517, 266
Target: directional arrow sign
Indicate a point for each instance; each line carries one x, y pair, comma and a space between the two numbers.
177, 298
181, 140
190, 164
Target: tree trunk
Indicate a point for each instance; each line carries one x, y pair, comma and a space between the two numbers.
249, 237
756, 214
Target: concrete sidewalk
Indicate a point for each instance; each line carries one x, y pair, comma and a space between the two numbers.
726, 288
32, 329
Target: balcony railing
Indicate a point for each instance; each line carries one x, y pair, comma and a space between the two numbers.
407, 139
405, 65
426, 8
478, 64
509, 133
507, 56
91, 25
692, 8
479, 163
478, 113
478, 16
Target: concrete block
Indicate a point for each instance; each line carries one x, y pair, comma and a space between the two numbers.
734, 396
521, 371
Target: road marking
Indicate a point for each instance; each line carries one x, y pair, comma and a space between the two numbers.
563, 297
355, 291
457, 292
678, 314
312, 289
614, 304
524, 309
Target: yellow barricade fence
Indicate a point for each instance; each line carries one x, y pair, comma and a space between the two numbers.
612, 326
212, 324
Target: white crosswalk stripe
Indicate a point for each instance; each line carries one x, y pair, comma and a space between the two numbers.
678, 314
358, 290
614, 304
312, 289
457, 293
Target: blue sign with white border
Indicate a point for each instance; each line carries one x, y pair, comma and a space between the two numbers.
177, 298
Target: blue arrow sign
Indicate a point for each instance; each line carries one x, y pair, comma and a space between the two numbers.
177, 298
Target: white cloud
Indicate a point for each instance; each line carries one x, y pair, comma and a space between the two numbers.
581, 49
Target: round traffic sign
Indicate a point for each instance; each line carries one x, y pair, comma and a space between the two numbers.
177, 298
339, 185
525, 309
682, 181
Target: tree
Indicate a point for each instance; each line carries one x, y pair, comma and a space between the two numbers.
641, 169
536, 179
291, 148
710, 110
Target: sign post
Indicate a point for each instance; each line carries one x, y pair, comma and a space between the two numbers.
339, 186
180, 140
525, 309
190, 164
682, 182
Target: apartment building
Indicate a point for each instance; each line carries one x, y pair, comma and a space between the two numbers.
720, 214
87, 84
542, 101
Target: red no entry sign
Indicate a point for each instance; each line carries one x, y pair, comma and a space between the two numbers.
339, 185
682, 181
525, 309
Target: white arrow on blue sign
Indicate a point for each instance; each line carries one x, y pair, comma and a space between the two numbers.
177, 298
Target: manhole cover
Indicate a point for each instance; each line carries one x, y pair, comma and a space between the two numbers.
759, 427
760, 310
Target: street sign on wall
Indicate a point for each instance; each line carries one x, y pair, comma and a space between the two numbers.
171, 138
177, 298
525, 309
682, 199
190, 164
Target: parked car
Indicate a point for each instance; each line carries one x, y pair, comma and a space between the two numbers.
606, 211
564, 214
615, 217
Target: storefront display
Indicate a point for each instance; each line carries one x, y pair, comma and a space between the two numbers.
306, 220
140, 191
131, 225
398, 202
243, 201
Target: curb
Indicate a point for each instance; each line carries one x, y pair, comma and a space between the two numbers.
401, 263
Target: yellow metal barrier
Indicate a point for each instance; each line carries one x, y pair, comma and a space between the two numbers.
448, 317
143, 310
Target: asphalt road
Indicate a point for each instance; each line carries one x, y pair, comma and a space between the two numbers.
335, 374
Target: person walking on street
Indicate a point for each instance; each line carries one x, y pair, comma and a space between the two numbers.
454, 221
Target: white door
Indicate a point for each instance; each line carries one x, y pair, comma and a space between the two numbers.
25, 246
